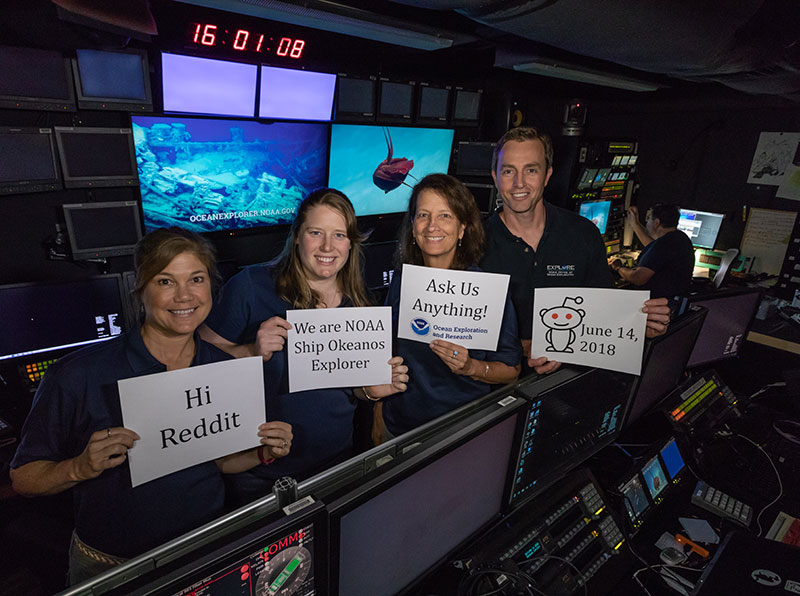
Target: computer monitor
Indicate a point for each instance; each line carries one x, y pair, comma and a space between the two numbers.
433, 105
107, 80
474, 158
32, 79
356, 98
467, 106
673, 461
389, 532
702, 227
654, 478
635, 499
379, 264
396, 101
215, 175
39, 318
207, 86
291, 94
596, 212
485, 196
95, 157
377, 166
730, 313
574, 413
664, 363
29, 161
106, 229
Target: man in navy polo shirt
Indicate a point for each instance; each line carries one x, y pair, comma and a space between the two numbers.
542, 245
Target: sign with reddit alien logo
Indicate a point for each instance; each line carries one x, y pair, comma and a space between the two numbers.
590, 326
462, 307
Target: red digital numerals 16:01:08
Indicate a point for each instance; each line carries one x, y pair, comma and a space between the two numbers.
244, 40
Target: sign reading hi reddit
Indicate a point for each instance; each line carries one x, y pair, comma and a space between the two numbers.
339, 347
192, 415
462, 307
590, 326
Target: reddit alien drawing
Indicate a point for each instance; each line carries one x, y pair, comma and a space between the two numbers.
561, 322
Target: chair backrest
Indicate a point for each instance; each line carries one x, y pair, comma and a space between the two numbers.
729, 257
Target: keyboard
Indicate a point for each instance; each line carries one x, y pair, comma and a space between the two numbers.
721, 504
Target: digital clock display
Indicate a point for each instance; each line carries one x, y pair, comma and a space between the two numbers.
250, 41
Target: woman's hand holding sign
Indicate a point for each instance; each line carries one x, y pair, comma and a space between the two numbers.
456, 357
276, 437
271, 337
658, 316
398, 384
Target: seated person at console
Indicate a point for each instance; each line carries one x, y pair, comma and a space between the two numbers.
320, 267
74, 438
442, 228
666, 262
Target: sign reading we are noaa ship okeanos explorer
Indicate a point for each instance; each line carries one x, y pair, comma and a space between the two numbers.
192, 415
462, 307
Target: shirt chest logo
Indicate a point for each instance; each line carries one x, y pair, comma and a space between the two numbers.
561, 270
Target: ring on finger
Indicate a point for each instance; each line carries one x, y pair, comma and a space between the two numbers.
284, 444
108, 431
455, 353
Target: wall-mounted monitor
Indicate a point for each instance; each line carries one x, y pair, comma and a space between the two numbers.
396, 102
206, 86
44, 317
467, 106
474, 158
98, 230
296, 94
210, 175
356, 98
702, 227
379, 264
35, 80
28, 162
107, 80
92, 157
596, 212
377, 166
433, 105
725, 328
485, 196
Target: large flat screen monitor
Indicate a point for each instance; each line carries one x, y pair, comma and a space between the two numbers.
113, 80
296, 94
28, 162
702, 227
44, 317
211, 175
574, 413
32, 79
389, 532
664, 363
92, 157
106, 229
725, 328
207, 86
377, 166
596, 212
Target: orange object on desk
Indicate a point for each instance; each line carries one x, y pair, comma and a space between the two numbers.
696, 548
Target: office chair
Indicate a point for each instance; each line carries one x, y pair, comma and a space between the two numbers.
725, 264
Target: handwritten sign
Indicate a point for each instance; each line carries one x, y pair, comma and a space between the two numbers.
192, 415
463, 307
589, 326
766, 238
339, 347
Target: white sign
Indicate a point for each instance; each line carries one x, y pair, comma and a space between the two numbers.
192, 415
590, 326
339, 347
462, 307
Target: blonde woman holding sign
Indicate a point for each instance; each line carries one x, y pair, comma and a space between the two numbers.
74, 438
442, 229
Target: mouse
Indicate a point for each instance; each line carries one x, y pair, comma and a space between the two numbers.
672, 556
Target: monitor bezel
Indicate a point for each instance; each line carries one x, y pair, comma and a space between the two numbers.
50, 104
82, 254
92, 102
467, 171
20, 186
442, 120
345, 116
466, 121
492, 206
396, 118
445, 444
71, 181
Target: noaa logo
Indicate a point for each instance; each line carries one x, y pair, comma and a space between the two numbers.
766, 577
420, 326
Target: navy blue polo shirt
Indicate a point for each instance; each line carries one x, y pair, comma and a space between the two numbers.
433, 389
671, 257
570, 254
321, 419
77, 397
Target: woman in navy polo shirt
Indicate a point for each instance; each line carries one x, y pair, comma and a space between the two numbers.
442, 229
74, 438
320, 267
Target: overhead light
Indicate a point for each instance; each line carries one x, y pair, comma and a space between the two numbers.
330, 16
560, 70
